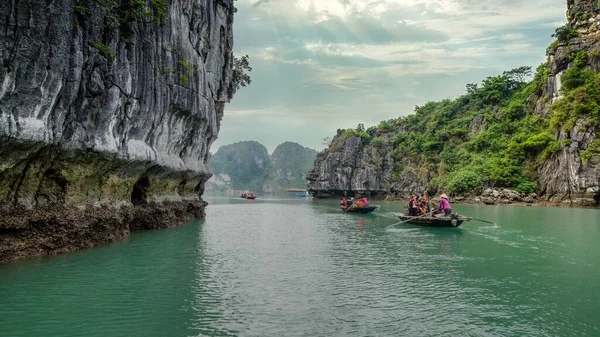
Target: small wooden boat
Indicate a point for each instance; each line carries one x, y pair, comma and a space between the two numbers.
251, 198
364, 209
453, 220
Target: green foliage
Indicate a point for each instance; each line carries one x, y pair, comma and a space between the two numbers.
359, 132
184, 79
564, 33
168, 70
377, 142
526, 187
104, 50
464, 181
592, 150
435, 143
581, 95
186, 65
139, 9
124, 12
241, 68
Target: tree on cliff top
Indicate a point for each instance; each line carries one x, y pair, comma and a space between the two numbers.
240, 68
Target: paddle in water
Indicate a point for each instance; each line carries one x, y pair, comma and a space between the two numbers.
492, 223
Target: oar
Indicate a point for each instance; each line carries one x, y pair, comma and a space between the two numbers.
492, 223
401, 222
348, 208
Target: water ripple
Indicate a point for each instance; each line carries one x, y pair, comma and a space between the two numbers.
300, 269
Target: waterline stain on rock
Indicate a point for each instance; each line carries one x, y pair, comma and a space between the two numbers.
96, 139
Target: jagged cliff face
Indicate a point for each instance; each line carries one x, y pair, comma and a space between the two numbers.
565, 167
107, 103
79, 75
566, 176
350, 168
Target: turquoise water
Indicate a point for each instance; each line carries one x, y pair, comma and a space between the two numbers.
302, 268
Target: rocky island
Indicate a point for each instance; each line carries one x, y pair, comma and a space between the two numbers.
509, 139
107, 113
248, 166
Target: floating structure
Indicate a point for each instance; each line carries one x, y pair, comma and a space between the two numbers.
297, 192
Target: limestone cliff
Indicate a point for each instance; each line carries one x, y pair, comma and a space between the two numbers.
290, 162
566, 176
107, 104
239, 166
539, 138
248, 166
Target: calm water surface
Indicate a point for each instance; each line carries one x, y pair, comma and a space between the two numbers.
303, 268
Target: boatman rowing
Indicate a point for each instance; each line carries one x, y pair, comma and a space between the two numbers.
445, 205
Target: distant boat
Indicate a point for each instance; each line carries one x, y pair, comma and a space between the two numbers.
250, 196
454, 220
364, 209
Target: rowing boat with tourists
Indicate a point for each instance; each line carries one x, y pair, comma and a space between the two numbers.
360, 204
423, 212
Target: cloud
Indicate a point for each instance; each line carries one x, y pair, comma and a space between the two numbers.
320, 65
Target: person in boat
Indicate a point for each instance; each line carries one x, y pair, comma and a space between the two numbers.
445, 205
343, 203
435, 208
365, 201
413, 206
423, 205
359, 202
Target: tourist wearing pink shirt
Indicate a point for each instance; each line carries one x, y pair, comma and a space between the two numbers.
445, 205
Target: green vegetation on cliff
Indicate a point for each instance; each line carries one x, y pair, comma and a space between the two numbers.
489, 137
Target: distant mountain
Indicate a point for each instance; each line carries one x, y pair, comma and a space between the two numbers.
239, 166
290, 162
247, 166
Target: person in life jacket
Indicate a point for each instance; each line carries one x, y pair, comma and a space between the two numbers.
360, 203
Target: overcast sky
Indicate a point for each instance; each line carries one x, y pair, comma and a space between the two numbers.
320, 65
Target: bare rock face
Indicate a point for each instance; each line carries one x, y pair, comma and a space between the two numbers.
143, 90
566, 176
109, 104
347, 167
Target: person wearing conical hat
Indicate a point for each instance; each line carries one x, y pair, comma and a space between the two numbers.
445, 205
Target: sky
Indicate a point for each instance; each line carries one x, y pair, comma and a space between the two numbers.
323, 65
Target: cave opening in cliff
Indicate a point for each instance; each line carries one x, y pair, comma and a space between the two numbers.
140, 188
597, 198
